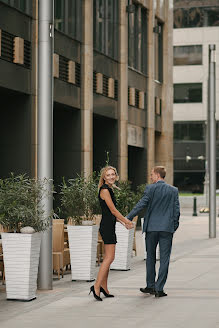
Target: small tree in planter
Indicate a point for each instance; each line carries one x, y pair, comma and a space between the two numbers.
79, 201
20, 198
125, 197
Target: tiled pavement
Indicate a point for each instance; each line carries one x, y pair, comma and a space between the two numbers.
192, 287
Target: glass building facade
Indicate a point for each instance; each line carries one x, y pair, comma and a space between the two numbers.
68, 17
101, 87
196, 25
137, 39
105, 25
188, 93
187, 55
22, 5
196, 17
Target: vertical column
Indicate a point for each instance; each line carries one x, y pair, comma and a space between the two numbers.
87, 88
212, 141
34, 91
123, 92
164, 142
150, 91
45, 131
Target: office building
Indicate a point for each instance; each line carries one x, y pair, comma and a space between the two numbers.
112, 87
196, 25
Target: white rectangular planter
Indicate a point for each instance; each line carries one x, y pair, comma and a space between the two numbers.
21, 261
124, 247
83, 251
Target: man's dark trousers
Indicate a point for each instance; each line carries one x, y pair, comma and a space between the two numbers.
164, 239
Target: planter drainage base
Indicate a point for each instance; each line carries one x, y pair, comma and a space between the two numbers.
17, 300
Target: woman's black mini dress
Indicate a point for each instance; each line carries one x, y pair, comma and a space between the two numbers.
108, 222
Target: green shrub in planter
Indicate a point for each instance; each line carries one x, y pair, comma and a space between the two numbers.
139, 192
20, 199
126, 199
79, 198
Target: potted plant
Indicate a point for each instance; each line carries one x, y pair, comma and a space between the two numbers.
23, 218
79, 203
125, 200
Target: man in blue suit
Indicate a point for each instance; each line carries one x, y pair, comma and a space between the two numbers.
161, 220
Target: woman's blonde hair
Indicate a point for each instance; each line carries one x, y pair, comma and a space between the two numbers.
103, 172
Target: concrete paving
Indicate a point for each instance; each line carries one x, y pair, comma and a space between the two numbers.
192, 288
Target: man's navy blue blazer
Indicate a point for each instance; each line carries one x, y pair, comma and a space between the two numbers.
161, 202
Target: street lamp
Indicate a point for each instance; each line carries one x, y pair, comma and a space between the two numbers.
45, 132
188, 158
212, 140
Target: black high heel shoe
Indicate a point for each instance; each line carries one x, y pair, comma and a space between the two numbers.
105, 293
98, 298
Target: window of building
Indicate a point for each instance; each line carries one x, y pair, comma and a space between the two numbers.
217, 131
188, 93
22, 5
68, 17
211, 16
187, 55
158, 31
189, 131
137, 39
196, 17
158, 106
106, 25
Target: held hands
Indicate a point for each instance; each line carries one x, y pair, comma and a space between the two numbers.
129, 225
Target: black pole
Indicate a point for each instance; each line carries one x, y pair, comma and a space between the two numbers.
194, 206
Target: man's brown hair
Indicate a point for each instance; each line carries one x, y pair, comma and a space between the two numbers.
160, 170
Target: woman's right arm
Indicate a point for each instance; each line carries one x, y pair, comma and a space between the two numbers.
105, 195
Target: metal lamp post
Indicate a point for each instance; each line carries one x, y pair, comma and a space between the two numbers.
212, 142
45, 131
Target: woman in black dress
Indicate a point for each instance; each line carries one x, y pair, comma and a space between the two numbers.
110, 215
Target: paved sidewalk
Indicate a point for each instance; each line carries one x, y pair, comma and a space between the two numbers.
192, 287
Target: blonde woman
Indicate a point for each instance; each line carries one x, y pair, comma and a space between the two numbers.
110, 214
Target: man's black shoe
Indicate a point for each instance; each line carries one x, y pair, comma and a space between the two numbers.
160, 294
148, 290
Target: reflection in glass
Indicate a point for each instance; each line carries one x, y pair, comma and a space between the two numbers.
59, 15
22, 5
15, 4
187, 55
72, 17
211, 16
68, 15
189, 131
137, 39
158, 62
196, 17
188, 93
217, 132
106, 27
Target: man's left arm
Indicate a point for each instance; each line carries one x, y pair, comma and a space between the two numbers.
143, 202
176, 210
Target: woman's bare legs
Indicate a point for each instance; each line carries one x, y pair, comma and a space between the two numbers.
104, 282
104, 268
